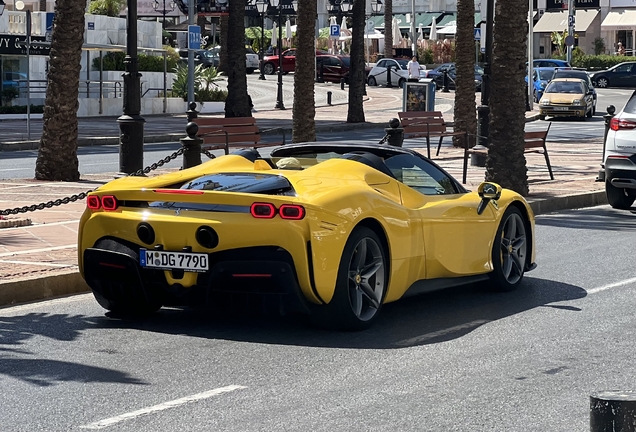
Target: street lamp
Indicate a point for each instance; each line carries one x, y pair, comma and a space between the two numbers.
376, 7
163, 11
277, 4
261, 7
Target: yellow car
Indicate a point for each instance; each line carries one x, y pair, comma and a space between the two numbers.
567, 97
333, 230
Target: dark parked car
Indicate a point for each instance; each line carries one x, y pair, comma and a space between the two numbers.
621, 75
576, 73
334, 67
438, 75
270, 63
10, 79
206, 58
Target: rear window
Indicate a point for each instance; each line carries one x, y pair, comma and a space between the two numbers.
346, 61
630, 107
243, 182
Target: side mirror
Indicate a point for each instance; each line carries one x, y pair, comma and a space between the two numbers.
487, 192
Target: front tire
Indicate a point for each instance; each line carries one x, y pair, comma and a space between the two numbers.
618, 198
250, 71
360, 286
269, 69
372, 82
510, 251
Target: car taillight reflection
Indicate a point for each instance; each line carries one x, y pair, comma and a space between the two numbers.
269, 211
106, 203
618, 124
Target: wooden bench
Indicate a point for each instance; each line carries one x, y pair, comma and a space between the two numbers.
427, 124
534, 142
233, 132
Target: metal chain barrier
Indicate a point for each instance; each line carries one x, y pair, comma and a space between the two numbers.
83, 195
384, 139
208, 154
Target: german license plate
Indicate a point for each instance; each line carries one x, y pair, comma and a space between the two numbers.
560, 108
166, 260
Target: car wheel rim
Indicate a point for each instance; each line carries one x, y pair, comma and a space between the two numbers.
372, 82
366, 279
602, 82
268, 69
513, 248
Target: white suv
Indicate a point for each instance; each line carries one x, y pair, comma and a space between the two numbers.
620, 158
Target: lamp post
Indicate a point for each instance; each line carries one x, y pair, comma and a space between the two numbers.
131, 123
279, 45
163, 11
483, 110
261, 7
376, 8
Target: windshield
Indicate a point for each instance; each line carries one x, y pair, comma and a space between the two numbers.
479, 70
565, 87
346, 61
403, 63
545, 75
208, 54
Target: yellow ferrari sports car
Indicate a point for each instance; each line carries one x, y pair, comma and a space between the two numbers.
328, 229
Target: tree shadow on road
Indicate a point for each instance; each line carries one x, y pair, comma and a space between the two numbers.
593, 219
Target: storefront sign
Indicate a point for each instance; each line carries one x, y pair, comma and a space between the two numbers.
286, 5
578, 4
622, 3
13, 45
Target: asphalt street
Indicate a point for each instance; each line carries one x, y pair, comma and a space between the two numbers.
463, 359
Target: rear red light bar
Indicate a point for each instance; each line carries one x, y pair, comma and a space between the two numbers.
106, 203
269, 211
618, 124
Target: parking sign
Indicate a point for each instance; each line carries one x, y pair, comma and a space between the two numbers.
194, 37
334, 31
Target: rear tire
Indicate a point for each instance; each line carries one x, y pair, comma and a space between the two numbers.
401, 82
360, 286
510, 251
250, 70
618, 198
269, 69
602, 82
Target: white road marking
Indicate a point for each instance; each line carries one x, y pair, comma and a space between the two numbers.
161, 407
28, 251
428, 336
612, 285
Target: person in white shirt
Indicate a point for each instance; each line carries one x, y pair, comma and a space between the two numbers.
414, 69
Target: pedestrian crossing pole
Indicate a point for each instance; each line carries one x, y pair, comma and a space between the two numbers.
571, 21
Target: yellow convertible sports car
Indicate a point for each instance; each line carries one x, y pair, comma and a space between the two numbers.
329, 229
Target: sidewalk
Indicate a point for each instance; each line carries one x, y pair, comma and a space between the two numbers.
39, 260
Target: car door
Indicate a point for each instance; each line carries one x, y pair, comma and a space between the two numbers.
457, 240
332, 69
289, 61
379, 72
622, 75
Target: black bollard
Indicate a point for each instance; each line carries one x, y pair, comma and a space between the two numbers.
192, 146
395, 133
613, 411
607, 118
342, 83
528, 107
388, 77
320, 78
445, 77
192, 113
329, 98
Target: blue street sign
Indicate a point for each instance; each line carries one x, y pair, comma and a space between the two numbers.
477, 34
334, 30
571, 20
194, 37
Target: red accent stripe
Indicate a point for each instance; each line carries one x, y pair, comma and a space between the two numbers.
254, 275
117, 266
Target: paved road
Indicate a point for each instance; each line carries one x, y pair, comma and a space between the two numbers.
460, 360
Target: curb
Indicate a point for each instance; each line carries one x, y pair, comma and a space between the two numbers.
35, 289
41, 288
174, 137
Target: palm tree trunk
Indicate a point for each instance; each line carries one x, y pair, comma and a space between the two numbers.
465, 105
506, 163
304, 111
357, 75
237, 103
223, 32
388, 28
57, 156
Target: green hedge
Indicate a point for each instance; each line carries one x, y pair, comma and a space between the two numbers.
593, 62
114, 61
21, 109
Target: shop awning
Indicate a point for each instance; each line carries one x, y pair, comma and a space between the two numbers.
420, 18
558, 21
625, 18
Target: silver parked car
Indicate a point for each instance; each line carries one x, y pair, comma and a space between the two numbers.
399, 72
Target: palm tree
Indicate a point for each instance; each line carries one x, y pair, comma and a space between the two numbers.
465, 106
57, 156
357, 75
506, 163
304, 110
237, 103
388, 28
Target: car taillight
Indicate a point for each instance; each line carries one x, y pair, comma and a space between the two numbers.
263, 210
107, 202
618, 124
291, 211
93, 202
